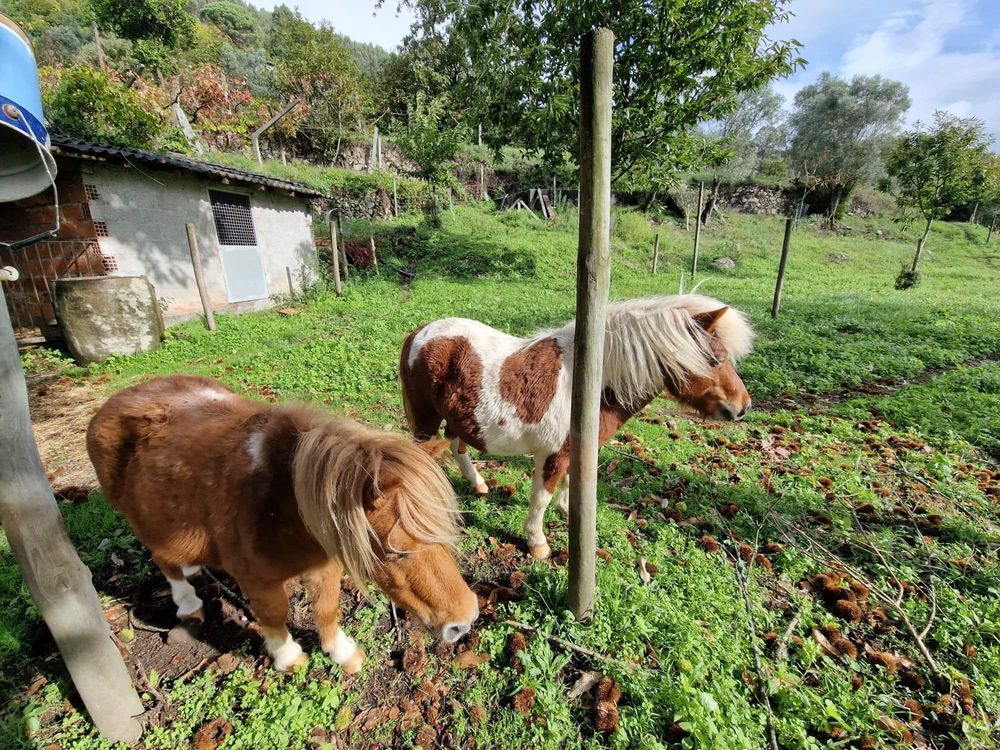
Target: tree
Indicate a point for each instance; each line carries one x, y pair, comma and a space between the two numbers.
164, 22
516, 66
234, 20
86, 103
737, 155
933, 170
431, 141
312, 64
840, 129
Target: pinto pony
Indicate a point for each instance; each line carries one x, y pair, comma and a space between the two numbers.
510, 396
268, 493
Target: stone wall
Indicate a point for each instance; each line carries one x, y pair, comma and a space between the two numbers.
351, 204
751, 198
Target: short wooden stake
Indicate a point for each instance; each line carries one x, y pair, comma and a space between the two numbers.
334, 255
371, 241
697, 230
656, 252
199, 279
593, 279
989, 234
776, 305
291, 286
60, 584
395, 199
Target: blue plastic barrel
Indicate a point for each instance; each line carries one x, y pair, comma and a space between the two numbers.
26, 165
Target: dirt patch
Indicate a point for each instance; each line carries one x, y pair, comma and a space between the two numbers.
61, 409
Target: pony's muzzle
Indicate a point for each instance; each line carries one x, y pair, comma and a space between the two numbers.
455, 630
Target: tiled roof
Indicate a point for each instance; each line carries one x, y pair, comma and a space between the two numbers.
67, 146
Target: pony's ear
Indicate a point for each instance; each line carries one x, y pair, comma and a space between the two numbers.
708, 320
435, 448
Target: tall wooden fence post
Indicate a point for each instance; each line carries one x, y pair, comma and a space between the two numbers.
199, 279
334, 253
395, 199
371, 242
697, 230
993, 224
59, 582
593, 279
291, 284
656, 252
776, 305
343, 249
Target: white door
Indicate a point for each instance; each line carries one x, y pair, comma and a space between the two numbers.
242, 263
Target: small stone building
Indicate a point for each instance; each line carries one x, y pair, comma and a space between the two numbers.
123, 213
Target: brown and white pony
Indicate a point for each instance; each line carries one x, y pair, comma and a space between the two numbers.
510, 396
268, 493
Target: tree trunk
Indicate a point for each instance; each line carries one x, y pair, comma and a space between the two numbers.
832, 219
60, 584
713, 199
920, 246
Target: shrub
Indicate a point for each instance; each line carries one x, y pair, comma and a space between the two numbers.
87, 103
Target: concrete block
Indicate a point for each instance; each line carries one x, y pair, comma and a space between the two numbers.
109, 315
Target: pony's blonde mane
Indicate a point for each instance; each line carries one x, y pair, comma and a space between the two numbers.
335, 470
650, 336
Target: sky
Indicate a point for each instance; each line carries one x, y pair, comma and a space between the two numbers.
946, 51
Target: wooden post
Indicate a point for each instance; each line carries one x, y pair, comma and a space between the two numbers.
291, 286
343, 249
255, 135
776, 305
206, 304
395, 199
656, 252
482, 167
59, 582
334, 253
371, 241
555, 197
993, 224
593, 279
697, 230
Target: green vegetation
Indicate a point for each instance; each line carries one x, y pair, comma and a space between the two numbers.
818, 461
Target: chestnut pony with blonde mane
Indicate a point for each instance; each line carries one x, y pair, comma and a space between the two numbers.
511, 396
268, 493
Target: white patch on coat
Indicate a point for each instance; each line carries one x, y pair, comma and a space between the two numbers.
184, 597
503, 433
190, 570
342, 649
255, 448
284, 651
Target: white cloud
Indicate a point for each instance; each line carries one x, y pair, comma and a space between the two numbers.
920, 47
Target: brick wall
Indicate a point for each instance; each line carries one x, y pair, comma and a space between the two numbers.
74, 252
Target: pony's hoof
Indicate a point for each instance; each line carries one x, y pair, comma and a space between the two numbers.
540, 551
197, 617
289, 657
482, 490
353, 665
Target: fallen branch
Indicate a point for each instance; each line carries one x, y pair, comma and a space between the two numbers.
781, 651
573, 647
234, 598
741, 576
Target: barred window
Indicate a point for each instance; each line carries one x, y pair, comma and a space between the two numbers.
233, 218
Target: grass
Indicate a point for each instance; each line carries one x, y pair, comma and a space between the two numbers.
821, 463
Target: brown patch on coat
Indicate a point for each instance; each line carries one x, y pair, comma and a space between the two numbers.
442, 385
529, 379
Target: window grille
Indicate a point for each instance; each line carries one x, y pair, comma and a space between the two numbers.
92, 192
233, 218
